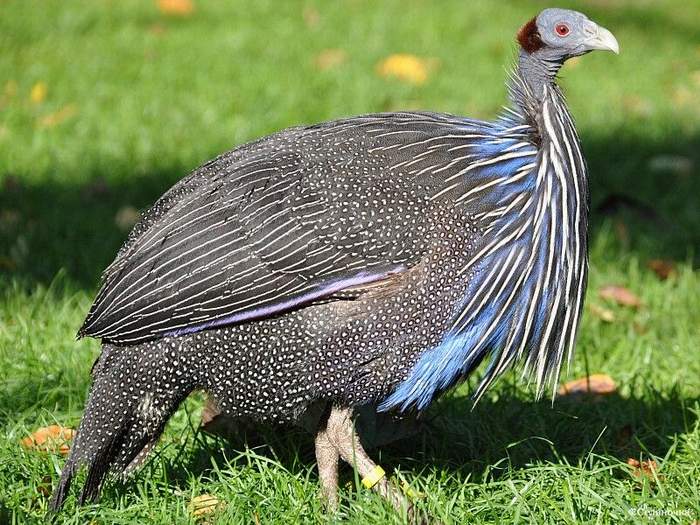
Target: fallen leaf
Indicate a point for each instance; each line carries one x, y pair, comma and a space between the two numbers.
176, 7
620, 295
602, 313
52, 438
601, 384
663, 268
330, 58
54, 119
126, 217
38, 93
405, 67
644, 469
204, 504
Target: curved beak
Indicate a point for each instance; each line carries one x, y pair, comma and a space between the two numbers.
600, 38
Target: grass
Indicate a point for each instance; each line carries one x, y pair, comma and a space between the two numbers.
134, 99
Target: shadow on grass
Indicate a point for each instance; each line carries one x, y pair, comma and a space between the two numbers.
497, 437
647, 188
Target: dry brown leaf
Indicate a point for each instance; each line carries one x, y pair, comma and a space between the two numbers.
663, 268
204, 504
619, 295
54, 119
38, 93
644, 469
176, 7
126, 217
53, 438
330, 58
405, 67
600, 384
602, 313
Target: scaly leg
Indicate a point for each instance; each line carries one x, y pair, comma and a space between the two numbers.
340, 431
327, 461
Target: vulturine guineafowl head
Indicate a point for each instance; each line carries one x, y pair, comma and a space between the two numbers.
372, 261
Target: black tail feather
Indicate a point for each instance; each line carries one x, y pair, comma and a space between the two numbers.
61, 491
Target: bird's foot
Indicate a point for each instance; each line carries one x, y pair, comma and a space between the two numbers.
339, 440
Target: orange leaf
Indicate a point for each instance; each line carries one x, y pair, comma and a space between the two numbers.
204, 504
54, 119
644, 469
52, 438
330, 58
38, 93
620, 295
176, 7
594, 384
407, 68
662, 268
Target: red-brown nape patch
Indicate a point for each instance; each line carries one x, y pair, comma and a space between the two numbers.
529, 38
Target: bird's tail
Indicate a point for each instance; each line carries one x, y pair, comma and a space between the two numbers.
130, 401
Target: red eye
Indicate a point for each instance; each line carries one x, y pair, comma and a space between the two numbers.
562, 29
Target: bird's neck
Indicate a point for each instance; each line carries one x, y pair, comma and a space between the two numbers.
533, 78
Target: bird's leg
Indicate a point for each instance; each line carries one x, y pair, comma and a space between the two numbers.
327, 460
341, 433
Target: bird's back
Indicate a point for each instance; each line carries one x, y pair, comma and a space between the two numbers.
291, 219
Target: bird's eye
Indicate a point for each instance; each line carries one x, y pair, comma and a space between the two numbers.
562, 29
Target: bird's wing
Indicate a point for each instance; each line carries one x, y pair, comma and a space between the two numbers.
270, 226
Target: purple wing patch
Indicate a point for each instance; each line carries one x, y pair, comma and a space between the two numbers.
272, 309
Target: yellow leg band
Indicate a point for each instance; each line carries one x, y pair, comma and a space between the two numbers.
373, 477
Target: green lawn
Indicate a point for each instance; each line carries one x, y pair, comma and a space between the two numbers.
105, 104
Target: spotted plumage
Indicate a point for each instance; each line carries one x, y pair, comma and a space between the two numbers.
374, 260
